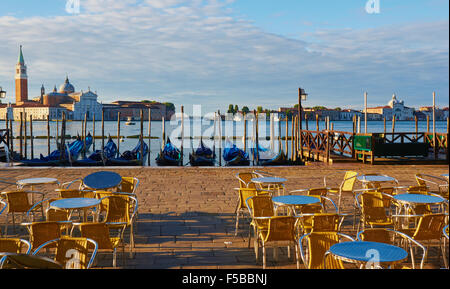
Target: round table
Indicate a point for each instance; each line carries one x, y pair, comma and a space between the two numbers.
409, 200
294, 200
71, 204
36, 181
375, 179
372, 254
102, 180
25, 261
275, 182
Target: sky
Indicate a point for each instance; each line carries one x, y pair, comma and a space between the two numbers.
219, 52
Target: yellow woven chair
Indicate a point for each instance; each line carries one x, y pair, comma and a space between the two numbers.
375, 209
280, 232
261, 210
433, 184
424, 228
72, 252
14, 245
346, 186
18, 203
314, 246
393, 237
100, 233
52, 214
245, 180
118, 213
74, 193
41, 232
241, 207
320, 222
129, 185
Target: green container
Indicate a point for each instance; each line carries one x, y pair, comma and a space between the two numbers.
362, 143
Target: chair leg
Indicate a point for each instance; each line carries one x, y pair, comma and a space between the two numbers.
264, 256
115, 258
237, 222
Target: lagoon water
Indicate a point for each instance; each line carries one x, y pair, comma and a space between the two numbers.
193, 128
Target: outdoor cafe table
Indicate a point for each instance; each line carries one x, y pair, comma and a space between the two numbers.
26, 261
102, 180
270, 182
34, 182
410, 200
291, 201
375, 179
71, 204
371, 254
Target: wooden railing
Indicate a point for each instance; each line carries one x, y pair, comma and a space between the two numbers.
321, 145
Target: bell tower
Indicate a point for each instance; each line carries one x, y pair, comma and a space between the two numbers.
21, 80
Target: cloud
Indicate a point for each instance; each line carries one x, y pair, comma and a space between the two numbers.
197, 52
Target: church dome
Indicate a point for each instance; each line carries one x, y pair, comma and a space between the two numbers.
66, 87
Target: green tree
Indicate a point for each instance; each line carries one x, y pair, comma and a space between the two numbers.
230, 109
236, 108
259, 109
245, 109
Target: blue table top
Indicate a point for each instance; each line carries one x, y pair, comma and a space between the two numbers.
75, 203
363, 251
375, 178
418, 198
295, 200
102, 180
269, 180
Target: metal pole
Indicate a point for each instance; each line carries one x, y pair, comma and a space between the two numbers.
182, 133
365, 112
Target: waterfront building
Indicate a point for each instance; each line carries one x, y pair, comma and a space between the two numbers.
395, 108
132, 110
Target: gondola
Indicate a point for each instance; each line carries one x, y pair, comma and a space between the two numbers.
54, 159
130, 158
202, 156
99, 157
233, 156
169, 155
267, 157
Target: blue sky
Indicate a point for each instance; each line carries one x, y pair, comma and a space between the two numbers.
246, 52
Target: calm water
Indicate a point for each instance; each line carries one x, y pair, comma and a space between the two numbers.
193, 128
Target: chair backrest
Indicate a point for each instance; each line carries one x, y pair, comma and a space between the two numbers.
14, 245
75, 193
18, 201
429, 227
281, 228
261, 206
349, 181
129, 185
318, 244
119, 208
325, 223
375, 206
42, 232
99, 232
72, 252
245, 193
381, 235
420, 180
245, 180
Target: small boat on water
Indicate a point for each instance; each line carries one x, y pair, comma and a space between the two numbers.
130, 157
99, 157
72, 152
267, 157
233, 156
202, 156
169, 155
130, 121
